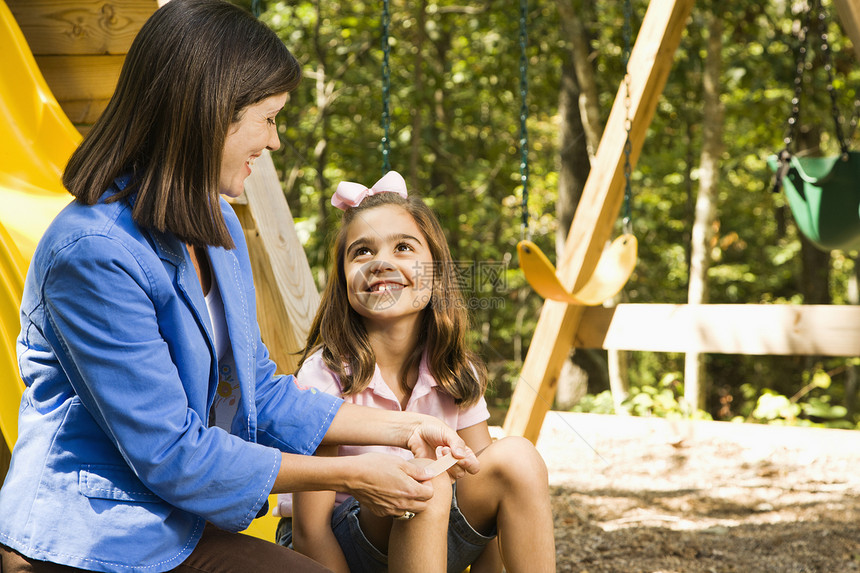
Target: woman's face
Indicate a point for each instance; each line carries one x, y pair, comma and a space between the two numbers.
246, 139
388, 265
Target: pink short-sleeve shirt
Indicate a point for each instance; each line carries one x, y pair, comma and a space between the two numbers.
426, 398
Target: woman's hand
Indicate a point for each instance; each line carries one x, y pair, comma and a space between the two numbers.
388, 485
431, 438
425, 436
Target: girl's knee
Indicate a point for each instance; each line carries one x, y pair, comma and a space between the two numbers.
442, 492
442, 488
514, 458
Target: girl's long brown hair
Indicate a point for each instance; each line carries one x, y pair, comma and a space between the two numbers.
340, 332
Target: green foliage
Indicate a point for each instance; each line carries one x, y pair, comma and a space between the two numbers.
663, 400
457, 84
810, 406
596, 404
771, 406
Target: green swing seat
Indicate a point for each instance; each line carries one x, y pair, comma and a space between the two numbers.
824, 196
823, 192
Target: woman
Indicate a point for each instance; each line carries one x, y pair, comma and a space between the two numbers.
139, 309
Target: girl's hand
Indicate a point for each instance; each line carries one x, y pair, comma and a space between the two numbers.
388, 485
431, 438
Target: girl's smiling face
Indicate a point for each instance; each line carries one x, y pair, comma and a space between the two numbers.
387, 264
246, 139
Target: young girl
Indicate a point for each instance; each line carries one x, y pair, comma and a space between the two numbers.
391, 333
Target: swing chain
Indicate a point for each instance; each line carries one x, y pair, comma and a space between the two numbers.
794, 119
855, 116
628, 146
525, 231
256, 8
386, 88
828, 67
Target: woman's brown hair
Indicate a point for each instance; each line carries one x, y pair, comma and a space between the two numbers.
340, 332
193, 68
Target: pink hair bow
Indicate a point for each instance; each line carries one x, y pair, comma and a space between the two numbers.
349, 194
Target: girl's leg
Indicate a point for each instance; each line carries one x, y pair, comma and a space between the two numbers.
420, 544
511, 492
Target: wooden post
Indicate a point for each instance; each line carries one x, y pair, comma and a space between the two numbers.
650, 62
287, 297
849, 15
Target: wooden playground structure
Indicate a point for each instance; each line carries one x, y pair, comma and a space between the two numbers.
79, 48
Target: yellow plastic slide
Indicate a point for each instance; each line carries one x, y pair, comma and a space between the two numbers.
36, 140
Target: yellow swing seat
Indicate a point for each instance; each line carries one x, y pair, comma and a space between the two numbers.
613, 270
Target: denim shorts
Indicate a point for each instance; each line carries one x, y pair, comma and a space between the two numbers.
464, 543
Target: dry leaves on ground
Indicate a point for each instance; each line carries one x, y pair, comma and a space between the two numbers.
649, 495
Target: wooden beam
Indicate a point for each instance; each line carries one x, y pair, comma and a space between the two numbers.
749, 329
287, 297
60, 27
80, 47
84, 112
849, 16
81, 77
650, 62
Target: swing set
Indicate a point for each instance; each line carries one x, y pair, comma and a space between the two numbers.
618, 260
823, 192
589, 273
567, 321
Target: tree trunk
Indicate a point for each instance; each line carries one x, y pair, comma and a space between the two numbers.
695, 387
851, 370
587, 95
581, 130
418, 87
321, 159
573, 171
575, 164
815, 266
518, 326
443, 168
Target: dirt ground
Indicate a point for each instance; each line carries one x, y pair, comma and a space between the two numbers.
649, 495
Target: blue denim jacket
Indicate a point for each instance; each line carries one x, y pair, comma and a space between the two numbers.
115, 467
